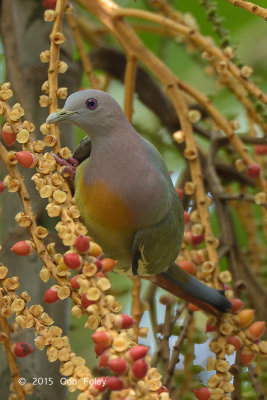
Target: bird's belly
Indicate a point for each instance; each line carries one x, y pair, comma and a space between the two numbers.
108, 220
106, 208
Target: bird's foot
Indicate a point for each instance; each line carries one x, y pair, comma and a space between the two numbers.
69, 169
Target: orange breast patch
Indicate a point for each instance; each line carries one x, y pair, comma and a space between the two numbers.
107, 208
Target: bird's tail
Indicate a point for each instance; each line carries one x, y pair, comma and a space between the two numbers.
181, 284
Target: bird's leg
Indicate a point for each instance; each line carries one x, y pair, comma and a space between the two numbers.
68, 170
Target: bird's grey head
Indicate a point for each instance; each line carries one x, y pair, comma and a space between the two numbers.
95, 111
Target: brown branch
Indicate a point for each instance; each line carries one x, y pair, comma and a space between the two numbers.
237, 264
197, 39
130, 74
86, 63
149, 303
236, 371
250, 7
53, 67
137, 307
157, 355
15, 72
11, 359
188, 361
256, 383
166, 333
240, 196
177, 349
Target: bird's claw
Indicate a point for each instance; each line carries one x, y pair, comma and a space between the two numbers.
73, 162
69, 169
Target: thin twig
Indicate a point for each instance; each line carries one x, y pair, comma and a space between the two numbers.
235, 371
198, 40
240, 196
179, 311
177, 349
130, 74
250, 7
166, 333
256, 383
11, 359
86, 63
188, 361
137, 308
53, 68
149, 301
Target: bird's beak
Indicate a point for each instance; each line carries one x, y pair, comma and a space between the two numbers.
58, 116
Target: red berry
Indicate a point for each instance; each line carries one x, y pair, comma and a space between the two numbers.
226, 287
22, 349
247, 357
86, 302
82, 243
108, 264
126, 321
26, 159
197, 239
245, 317
163, 389
192, 239
2, 187
237, 305
139, 368
186, 217
103, 361
9, 137
137, 352
198, 258
261, 149
118, 365
74, 283
202, 393
51, 295
114, 383
187, 266
51, 4
101, 337
253, 170
21, 248
99, 265
210, 328
235, 341
180, 192
256, 330
100, 383
72, 260
99, 349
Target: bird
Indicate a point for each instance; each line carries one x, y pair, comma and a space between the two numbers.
127, 200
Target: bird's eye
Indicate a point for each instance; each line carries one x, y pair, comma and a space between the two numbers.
91, 103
